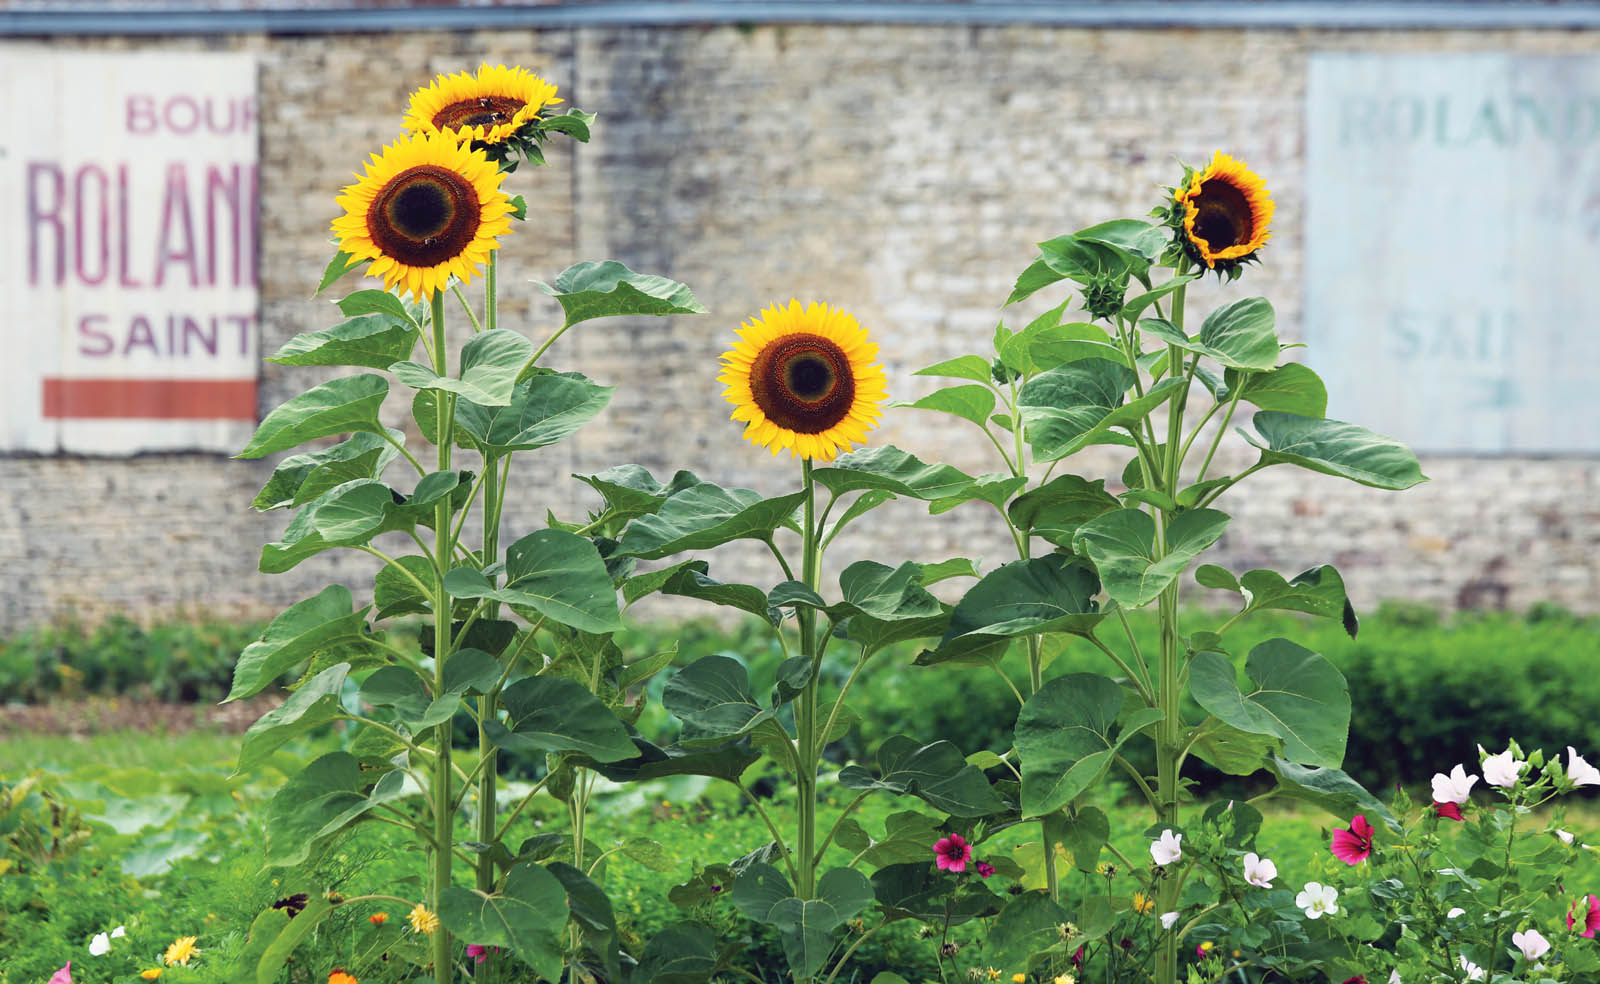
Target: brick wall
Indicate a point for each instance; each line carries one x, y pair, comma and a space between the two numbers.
900, 172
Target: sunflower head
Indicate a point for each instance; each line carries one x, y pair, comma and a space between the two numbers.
803, 379
487, 107
428, 208
1221, 215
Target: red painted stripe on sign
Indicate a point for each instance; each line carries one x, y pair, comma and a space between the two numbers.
149, 399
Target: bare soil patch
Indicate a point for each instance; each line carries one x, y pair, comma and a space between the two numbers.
97, 715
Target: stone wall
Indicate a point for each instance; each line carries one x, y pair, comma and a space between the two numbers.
900, 172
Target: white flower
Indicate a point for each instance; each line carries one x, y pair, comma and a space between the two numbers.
1168, 919
100, 945
1318, 900
1474, 972
1532, 943
1394, 977
119, 931
1454, 912
1166, 850
1259, 871
1580, 772
1457, 786
1500, 770
1565, 835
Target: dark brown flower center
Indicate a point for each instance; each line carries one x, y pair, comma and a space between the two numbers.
477, 111
424, 216
1224, 215
803, 383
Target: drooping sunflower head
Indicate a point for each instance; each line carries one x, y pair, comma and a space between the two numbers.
803, 379
487, 107
1223, 214
426, 209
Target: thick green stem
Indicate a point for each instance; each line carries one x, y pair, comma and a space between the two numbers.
806, 704
443, 814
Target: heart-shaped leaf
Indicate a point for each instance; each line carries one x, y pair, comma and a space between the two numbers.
339, 406
320, 801
936, 773
704, 516
527, 917
630, 490
712, 697
325, 623
1336, 448
1029, 924
1122, 545
607, 289
1070, 408
1290, 388
1057, 508
558, 574
805, 926
1240, 335
301, 478
892, 470
314, 704
1064, 735
962, 367
726, 762
543, 409
1298, 697
375, 341
553, 714
1330, 789
974, 403
376, 302
490, 363
1054, 593
348, 515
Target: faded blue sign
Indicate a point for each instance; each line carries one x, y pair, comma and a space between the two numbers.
1453, 247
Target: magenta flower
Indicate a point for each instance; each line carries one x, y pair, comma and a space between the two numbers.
479, 952
64, 975
1450, 811
1354, 844
985, 869
952, 853
1591, 919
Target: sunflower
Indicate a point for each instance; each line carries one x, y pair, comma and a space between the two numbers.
180, 951
487, 107
1225, 213
426, 209
804, 379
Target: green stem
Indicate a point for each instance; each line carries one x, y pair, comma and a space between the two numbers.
806, 706
1140, 683
772, 828
1222, 428
456, 289
404, 451
443, 815
834, 830
522, 805
852, 948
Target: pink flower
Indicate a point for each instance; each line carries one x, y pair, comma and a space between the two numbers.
479, 952
1591, 919
952, 853
985, 869
1450, 811
64, 975
1354, 844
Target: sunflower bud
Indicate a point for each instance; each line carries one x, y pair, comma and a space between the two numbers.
1001, 373
1102, 295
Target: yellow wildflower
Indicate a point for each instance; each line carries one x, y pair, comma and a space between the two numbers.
422, 920
180, 951
1142, 904
151, 974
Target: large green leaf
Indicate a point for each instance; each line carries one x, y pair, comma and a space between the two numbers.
726, 762
974, 403
689, 580
1057, 508
1298, 696
704, 516
873, 634
1239, 335
1291, 388
1054, 593
375, 341
1029, 924
805, 926
300, 478
544, 408
313, 705
348, 515
917, 890
680, 953
490, 362
320, 801
891, 470
1336, 448
1234, 752
1070, 408
1122, 545
885, 593
630, 490
713, 699
592, 912
1329, 788
936, 773
376, 302
527, 917
1064, 736
325, 623
1036, 277
961, 367
558, 574
339, 406
399, 688
396, 594
553, 714
1319, 591
607, 289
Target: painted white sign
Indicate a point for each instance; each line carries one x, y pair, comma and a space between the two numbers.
128, 262
1452, 247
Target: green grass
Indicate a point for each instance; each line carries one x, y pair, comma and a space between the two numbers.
20, 754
